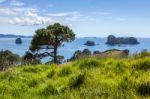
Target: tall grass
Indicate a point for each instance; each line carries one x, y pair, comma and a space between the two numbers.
91, 78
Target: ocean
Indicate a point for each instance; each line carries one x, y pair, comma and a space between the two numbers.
69, 48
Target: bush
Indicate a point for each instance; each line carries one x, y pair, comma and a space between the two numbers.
77, 81
65, 71
8, 59
144, 89
89, 63
142, 65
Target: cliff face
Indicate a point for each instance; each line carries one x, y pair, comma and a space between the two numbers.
112, 40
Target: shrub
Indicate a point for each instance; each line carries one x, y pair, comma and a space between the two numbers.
49, 90
8, 59
144, 89
89, 63
142, 65
77, 81
65, 71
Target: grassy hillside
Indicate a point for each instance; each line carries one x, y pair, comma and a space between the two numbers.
92, 78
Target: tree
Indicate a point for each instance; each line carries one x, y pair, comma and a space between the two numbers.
46, 41
86, 52
7, 59
29, 58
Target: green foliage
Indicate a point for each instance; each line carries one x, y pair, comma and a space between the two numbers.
142, 65
76, 81
90, 63
30, 59
65, 71
8, 59
80, 54
30, 69
144, 89
51, 73
46, 41
33, 83
49, 90
90, 78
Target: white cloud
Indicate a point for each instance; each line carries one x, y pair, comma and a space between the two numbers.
7, 11
16, 3
26, 20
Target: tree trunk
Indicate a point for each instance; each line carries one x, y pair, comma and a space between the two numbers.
55, 55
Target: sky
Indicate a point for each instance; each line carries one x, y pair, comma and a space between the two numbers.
96, 18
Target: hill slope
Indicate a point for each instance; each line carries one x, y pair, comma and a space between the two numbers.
92, 78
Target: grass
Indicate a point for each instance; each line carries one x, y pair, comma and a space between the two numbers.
91, 78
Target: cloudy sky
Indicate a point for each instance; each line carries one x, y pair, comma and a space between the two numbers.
86, 17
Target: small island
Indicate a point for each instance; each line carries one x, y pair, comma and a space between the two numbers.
18, 41
112, 40
90, 43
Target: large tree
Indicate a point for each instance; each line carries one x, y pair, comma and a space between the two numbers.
46, 41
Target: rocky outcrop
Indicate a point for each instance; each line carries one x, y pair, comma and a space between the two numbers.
108, 53
112, 40
90, 43
18, 41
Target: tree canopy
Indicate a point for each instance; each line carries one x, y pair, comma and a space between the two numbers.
46, 41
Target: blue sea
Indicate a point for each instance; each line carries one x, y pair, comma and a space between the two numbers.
69, 48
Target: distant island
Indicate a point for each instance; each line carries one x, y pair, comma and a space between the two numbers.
18, 41
13, 36
112, 40
90, 43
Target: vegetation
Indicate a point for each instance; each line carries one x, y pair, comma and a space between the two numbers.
89, 78
30, 58
46, 42
80, 54
8, 59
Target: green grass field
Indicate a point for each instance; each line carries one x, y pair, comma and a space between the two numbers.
92, 78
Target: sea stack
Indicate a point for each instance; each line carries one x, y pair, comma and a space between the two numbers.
18, 41
90, 43
112, 40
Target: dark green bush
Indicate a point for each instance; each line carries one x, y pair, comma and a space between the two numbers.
77, 81
144, 89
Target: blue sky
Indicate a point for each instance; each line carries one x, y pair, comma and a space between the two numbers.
86, 17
